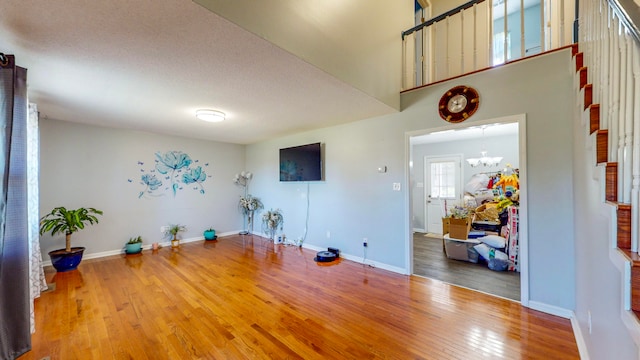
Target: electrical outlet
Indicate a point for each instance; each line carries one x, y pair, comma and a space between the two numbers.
328, 234
365, 242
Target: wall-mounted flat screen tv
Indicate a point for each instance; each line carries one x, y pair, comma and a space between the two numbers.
301, 163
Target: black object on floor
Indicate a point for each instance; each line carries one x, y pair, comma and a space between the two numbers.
325, 256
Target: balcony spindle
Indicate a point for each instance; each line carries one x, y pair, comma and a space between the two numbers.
426, 64
490, 32
434, 58
505, 45
475, 36
522, 47
446, 49
462, 41
561, 25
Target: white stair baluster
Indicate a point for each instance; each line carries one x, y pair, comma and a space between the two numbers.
615, 98
635, 192
628, 121
621, 115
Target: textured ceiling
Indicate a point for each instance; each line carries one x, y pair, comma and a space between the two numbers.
148, 65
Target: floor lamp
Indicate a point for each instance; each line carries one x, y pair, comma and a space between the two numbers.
243, 180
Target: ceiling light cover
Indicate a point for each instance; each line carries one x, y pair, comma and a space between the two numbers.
210, 115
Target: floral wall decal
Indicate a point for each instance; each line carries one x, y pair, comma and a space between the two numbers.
195, 176
151, 183
172, 163
173, 171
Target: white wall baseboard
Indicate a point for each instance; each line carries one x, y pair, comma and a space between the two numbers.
144, 247
361, 260
577, 332
550, 309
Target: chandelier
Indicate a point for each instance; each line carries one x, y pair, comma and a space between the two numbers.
484, 160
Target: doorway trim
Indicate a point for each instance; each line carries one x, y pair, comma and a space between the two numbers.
523, 231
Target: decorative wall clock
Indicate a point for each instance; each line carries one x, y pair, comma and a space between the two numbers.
458, 104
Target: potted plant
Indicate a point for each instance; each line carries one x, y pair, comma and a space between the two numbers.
134, 245
172, 231
460, 222
210, 234
271, 221
61, 220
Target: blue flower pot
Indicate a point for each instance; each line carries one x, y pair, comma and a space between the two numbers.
133, 248
210, 235
66, 261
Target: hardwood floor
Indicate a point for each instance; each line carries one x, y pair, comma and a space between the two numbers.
431, 261
235, 299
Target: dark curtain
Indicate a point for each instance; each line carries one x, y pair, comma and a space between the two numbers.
15, 336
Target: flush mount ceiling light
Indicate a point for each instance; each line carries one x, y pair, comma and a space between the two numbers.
210, 115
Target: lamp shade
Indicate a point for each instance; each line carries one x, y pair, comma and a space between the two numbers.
210, 115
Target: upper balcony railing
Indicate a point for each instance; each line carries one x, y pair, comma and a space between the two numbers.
481, 34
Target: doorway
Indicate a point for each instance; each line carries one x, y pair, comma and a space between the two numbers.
443, 183
449, 140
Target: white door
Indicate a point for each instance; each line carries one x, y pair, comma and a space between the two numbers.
443, 187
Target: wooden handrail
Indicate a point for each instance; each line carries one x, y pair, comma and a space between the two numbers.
629, 13
441, 17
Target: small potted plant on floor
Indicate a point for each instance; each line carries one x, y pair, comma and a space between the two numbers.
134, 245
210, 234
61, 220
172, 231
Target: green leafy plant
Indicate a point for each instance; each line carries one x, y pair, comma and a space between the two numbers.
174, 229
61, 220
135, 240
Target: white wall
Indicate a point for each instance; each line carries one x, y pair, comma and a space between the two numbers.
599, 284
356, 201
505, 146
88, 166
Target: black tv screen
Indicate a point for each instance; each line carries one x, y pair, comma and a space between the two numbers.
301, 163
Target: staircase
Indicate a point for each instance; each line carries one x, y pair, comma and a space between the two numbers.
607, 65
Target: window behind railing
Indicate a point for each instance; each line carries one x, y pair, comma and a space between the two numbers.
481, 34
